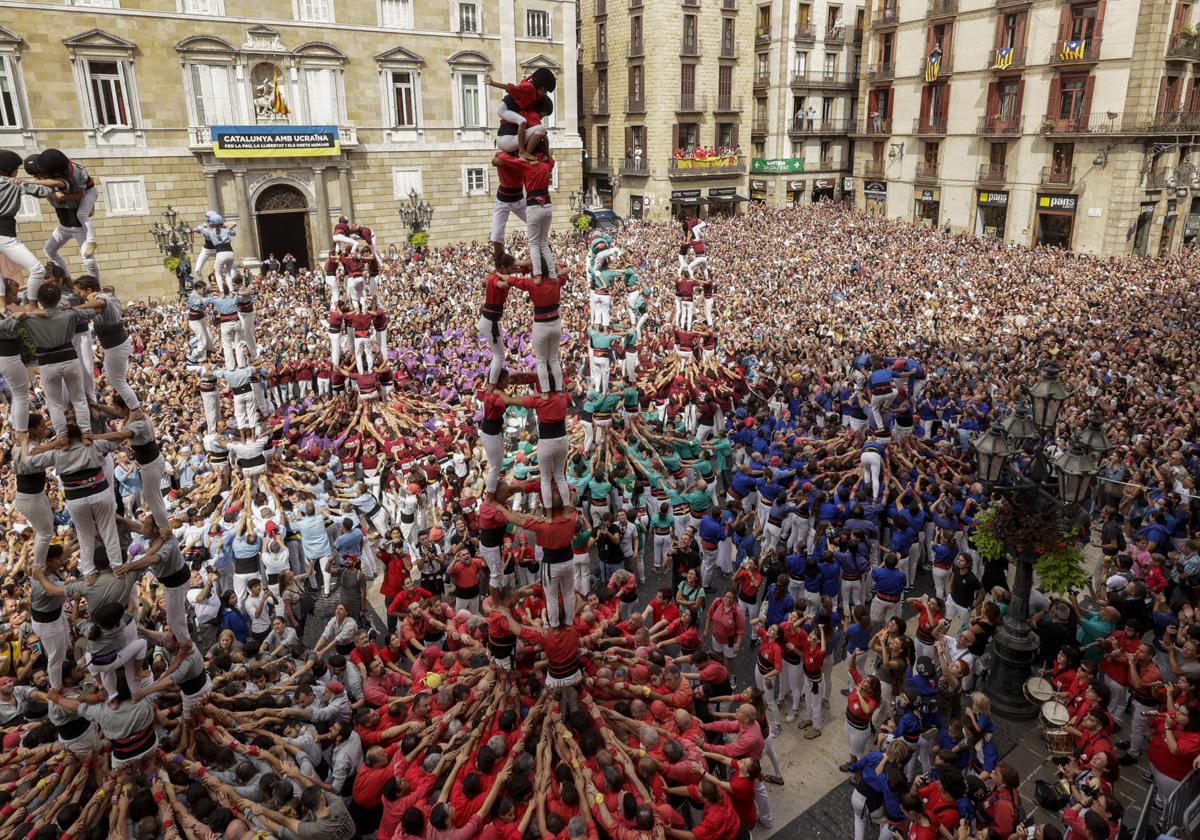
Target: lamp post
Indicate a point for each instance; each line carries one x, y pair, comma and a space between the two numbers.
416, 212
174, 239
1036, 495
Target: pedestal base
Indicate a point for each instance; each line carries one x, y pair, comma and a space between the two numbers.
1014, 654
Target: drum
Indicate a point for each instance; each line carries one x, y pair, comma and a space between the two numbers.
1039, 690
1054, 715
1060, 742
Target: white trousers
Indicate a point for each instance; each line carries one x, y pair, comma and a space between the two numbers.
493, 337
245, 410
493, 450
95, 517
546, 338
223, 269
210, 402
538, 218
116, 371
59, 378
15, 250
204, 342
246, 320
552, 464
872, 464
152, 475
559, 579
231, 336
583, 573
495, 565
56, 641
600, 366
363, 351
35, 507
59, 237
175, 600
501, 210
85, 349
14, 373
687, 310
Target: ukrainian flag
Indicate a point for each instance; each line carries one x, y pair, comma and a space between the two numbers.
1004, 58
1072, 50
932, 66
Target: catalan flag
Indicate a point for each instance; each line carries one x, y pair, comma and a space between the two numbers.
1004, 58
278, 105
933, 66
1072, 50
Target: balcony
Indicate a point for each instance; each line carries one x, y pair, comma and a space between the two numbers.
690, 48
1003, 4
828, 79
635, 105
944, 68
926, 172
941, 8
200, 137
1111, 123
887, 16
835, 38
802, 125
690, 103
992, 173
805, 33
682, 169
876, 127
597, 166
1014, 60
762, 35
1062, 54
825, 165
1161, 179
1181, 48
636, 50
873, 168
759, 127
634, 167
1058, 176
762, 81
929, 126
600, 107
601, 56
1001, 126
881, 72
729, 51
727, 103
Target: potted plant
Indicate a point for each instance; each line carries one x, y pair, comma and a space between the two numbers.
418, 240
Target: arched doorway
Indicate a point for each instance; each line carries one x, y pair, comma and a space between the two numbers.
282, 213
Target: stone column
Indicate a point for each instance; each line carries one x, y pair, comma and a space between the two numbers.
323, 237
247, 229
347, 198
210, 188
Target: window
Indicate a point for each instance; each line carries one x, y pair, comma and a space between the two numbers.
830, 65
760, 149
728, 30
725, 84
764, 21
602, 142
797, 150
602, 88
804, 16
315, 11
31, 209
760, 110
474, 180
801, 63
725, 136
826, 109
601, 39
1012, 29
468, 17
109, 94
635, 34
1082, 25
1009, 94
322, 89
405, 181
997, 153
404, 98
1070, 103
689, 135
125, 196
764, 64
635, 82
537, 23
212, 94
470, 92
203, 7
96, 4
687, 80
1063, 157
689, 34
395, 14
10, 110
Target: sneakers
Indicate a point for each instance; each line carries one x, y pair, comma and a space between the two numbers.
89, 248
1127, 759
790, 718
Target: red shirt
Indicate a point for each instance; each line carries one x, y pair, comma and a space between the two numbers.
1176, 765
360, 658
494, 294
465, 575
551, 408
742, 796
524, 94
512, 180
368, 785
336, 319
558, 532
493, 405
542, 294
536, 176
685, 288
720, 821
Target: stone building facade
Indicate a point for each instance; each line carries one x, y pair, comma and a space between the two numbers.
134, 88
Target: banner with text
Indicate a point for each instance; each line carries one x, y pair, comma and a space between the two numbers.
275, 140
773, 165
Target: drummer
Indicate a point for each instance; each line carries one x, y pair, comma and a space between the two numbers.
1062, 676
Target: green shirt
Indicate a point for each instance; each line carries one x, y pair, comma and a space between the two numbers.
602, 341
722, 452
581, 539
599, 489
698, 500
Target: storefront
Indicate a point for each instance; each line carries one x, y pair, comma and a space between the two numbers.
1056, 219
795, 191
823, 189
686, 202
875, 198
1141, 231
1191, 225
928, 205
724, 201
635, 207
758, 189
991, 212
848, 189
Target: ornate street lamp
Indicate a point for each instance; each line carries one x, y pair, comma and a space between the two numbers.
578, 200
1038, 499
1093, 437
416, 212
174, 241
1047, 397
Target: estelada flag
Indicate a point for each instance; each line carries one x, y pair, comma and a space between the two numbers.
1004, 58
277, 104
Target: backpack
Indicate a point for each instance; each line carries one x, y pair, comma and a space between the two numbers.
307, 603
1049, 796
